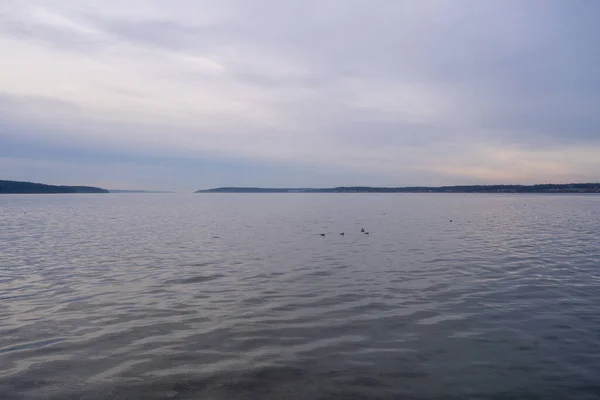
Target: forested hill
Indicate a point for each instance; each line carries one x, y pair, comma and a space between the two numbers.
15, 187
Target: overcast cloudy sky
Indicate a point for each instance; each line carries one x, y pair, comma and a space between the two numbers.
189, 94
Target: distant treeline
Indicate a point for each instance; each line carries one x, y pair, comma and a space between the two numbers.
14, 187
541, 188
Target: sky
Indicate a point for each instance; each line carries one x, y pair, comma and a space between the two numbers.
192, 94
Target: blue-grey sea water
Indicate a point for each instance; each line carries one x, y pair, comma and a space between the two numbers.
238, 296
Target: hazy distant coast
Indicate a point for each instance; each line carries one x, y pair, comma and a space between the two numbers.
541, 188
16, 187
136, 191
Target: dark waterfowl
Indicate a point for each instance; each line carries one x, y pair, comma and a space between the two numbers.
362, 230
322, 234
342, 233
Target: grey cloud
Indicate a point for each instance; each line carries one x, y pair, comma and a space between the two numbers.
18, 113
52, 35
10, 103
162, 34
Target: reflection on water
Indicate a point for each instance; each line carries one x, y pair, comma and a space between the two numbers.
239, 297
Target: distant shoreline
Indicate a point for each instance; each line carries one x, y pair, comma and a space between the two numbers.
125, 191
21, 187
18, 187
539, 188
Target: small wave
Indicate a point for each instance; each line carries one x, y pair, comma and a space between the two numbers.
194, 279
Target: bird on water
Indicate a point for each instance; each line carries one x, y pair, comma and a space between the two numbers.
322, 234
342, 233
362, 230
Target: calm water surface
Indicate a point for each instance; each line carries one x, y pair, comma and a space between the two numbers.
237, 296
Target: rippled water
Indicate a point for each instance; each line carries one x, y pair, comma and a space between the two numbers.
237, 296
